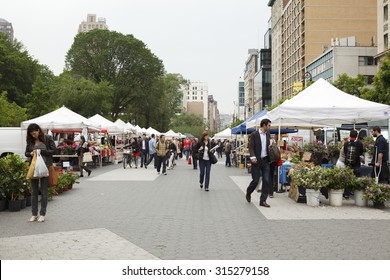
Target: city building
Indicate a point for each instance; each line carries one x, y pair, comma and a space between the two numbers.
213, 122
6, 27
302, 30
240, 113
195, 99
91, 24
225, 121
343, 57
251, 66
383, 29
263, 79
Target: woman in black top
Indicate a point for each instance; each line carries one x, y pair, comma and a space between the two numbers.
202, 150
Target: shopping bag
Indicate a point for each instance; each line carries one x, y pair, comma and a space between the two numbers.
53, 176
40, 167
30, 172
213, 158
189, 160
87, 157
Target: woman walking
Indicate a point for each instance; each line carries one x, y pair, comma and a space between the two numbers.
37, 140
203, 149
81, 149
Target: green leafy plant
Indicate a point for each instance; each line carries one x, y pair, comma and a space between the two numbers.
317, 150
13, 176
333, 150
66, 179
368, 145
377, 193
360, 183
338, 178
308, 176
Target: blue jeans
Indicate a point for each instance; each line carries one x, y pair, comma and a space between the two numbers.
205, 167
187, 153
143, 157
44, 195
262, 167
228, 162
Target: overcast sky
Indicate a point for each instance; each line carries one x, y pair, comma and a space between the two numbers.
204, 40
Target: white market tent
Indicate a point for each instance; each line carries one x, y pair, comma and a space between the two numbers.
63, 120
224, 134
322, 104
107, 124
151, 131
171, 133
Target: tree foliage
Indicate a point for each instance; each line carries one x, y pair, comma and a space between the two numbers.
188, 123
237, 122
123, 61
353, 86
11, 114
17, 70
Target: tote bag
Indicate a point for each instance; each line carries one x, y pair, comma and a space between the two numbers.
87, 157
40, 170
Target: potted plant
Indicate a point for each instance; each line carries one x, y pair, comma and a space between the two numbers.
333, 151
368, 148
318, 152
66, 180
14, 180
359, 184
311, 178
335, 180
378, 194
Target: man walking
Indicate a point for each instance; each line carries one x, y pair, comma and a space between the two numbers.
152, 151
144, 145
161, 151
379, 161
258, 150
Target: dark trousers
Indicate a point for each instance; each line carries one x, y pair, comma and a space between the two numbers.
194, 163
228, 162
151, 157
161, 160
205, 168
273, 167
382, 173
44, 195
262, 167
143, 157
82, 166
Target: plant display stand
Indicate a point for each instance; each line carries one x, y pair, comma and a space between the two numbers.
336, 197
312, 197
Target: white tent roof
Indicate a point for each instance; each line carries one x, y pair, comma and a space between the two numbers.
63, 119
171, 133
151, 131
322, 104
224, 134
107, 124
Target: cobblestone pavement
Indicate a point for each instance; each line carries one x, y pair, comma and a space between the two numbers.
136, 214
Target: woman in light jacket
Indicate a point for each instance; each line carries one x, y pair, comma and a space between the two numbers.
202, 150
37, 140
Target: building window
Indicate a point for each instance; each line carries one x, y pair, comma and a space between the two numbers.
386, 41
366, 60
386, 13
369, 79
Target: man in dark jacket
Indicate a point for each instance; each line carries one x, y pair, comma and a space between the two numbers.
379, 161
144, 146
258, 150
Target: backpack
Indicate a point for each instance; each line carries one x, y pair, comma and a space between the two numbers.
351, 158
273, 153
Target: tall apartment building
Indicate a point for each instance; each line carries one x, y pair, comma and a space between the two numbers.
344, 57
195, 99
383, 29
251, 66
303, 29
91, 24
241, 101
6, 27
214, 123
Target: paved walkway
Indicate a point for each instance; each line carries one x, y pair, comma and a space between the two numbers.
137, 214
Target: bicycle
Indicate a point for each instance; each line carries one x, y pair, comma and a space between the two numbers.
127, 157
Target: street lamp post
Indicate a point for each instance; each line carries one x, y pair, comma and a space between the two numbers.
308, 76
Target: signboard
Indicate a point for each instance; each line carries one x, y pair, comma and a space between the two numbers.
297, 140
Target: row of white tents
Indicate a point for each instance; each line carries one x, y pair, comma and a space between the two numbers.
65, 120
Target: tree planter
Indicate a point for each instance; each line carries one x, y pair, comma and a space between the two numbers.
336, 197
14, 205
359, 200
312, 197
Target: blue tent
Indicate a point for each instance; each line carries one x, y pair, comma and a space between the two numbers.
241, 128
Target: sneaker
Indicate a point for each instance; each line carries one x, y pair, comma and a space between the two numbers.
206, 189
146, 167
89, 172
41, 219
165, 173
33, 219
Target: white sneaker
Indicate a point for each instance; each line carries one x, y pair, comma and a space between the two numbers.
41, 219
33, 219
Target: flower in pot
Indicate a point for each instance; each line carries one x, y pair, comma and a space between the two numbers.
378, 194
14, 172
359, 185
335, 180
368, 145
318, 151
333, 151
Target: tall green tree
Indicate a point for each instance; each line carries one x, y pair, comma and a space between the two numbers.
18, 70
81, 95
11, 114
121, 60
381, 91
353, 86
188, 123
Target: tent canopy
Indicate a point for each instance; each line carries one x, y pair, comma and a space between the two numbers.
322, 104
107, 124
242, 128
171, 133
63, 120
224, 134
